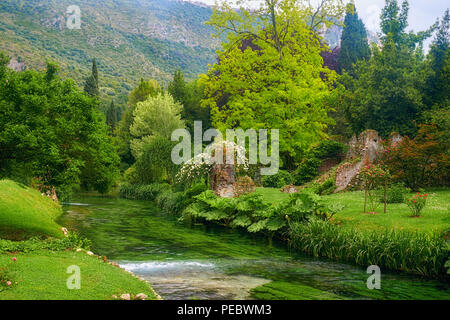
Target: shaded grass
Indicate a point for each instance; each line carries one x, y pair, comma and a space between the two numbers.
42, 275
25, 213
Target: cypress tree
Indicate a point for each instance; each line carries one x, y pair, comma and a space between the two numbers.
177, 88
91, 84
111, 116
354, 44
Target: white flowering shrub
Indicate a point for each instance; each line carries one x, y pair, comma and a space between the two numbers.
219, 152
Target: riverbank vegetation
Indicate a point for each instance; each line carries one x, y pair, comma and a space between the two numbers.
36, 252
392, 176
274, 70
321, 226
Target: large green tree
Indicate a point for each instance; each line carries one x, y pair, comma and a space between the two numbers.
270, 73
51, 130
385, 92
145, 89
155, 117
437, 91
190, 96
354, 43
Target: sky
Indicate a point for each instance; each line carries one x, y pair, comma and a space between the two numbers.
422, 13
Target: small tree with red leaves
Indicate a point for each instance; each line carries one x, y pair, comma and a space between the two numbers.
419, 162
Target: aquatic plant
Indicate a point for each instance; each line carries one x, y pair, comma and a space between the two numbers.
413, 252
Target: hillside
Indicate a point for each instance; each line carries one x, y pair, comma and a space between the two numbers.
130, 39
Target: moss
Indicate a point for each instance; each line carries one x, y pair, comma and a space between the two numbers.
279, 290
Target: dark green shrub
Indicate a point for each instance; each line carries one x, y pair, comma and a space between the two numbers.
307, 171
325, 188
329, 149
171, 202
195, 190
395, 193
142, 192
278, 180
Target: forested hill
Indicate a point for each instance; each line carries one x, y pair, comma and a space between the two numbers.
130, 39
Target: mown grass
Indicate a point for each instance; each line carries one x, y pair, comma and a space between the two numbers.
25, 213
435, 216
42, 275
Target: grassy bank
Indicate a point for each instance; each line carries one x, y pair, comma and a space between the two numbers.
35, 268
25, 213
42, 275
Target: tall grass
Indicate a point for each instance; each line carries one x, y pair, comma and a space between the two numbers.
171, 202
412, 252
142, 192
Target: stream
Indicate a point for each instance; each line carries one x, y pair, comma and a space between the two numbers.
211, 262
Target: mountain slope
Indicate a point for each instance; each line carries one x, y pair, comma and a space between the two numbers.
130, 38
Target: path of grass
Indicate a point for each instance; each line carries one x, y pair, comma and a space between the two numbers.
25, 213
435, 216
42, 275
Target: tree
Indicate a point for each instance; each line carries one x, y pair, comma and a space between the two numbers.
177, 87
438, 83
394, 21
156, 116
111, 116
51, 130
155, 164
420, 162
91, 85
354, 44
385, 92
145, 89
267, 78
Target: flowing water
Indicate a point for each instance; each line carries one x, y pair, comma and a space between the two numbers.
210, 262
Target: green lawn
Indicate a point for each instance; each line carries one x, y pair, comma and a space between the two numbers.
42, 275
435, 216
25, 213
